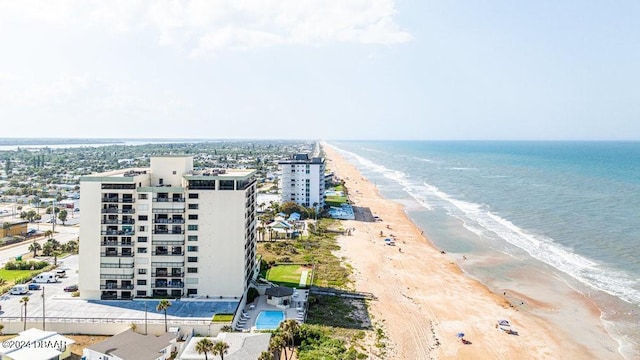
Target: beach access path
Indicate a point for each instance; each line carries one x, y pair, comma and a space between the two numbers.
423, 298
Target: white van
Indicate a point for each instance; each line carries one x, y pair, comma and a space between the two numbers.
47, 277
19, 290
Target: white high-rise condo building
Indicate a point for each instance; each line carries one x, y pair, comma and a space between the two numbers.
167, 230
303, 180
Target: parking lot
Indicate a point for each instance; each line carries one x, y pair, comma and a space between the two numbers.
11, 306
60, 304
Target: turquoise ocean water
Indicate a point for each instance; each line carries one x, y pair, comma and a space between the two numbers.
570, 210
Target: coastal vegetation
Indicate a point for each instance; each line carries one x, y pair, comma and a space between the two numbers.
335, 327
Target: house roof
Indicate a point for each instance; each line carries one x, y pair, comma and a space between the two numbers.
279, 291
280, 225
131, 345
241, 346
13, 350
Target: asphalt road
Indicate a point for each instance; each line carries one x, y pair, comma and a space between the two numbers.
63, 235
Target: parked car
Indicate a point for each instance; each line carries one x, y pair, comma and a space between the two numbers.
61, 273
19, 290
34, 286
71, 288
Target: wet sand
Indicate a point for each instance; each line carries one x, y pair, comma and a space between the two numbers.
425, 299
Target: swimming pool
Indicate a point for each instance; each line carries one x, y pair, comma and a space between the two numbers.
269, 319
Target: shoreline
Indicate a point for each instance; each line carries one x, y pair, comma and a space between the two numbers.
425, 298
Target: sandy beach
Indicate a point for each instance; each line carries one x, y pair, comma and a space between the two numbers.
424, 299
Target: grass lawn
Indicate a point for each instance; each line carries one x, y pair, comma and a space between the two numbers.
12, 275
222, 318
287, 275
335, 200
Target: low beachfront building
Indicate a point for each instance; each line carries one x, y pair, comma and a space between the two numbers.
14, 228
168, 230
36, 344
242, 346
129, 345
303, 180
279, 296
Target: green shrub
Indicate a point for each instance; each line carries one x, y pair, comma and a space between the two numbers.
25, 265
252, 294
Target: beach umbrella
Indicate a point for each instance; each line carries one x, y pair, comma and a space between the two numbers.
460, 335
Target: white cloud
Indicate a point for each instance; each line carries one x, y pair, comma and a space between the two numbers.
205, 28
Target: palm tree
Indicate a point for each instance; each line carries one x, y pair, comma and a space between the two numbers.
204, 346
48, 234
47, 249
220, 348
289, 330
56, 253
24, 301
163, 305
35, 247
265, 355
62, 215
277, 344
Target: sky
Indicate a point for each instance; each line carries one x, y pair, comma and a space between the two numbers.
314, 69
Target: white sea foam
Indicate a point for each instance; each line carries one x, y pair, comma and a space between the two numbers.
614, 282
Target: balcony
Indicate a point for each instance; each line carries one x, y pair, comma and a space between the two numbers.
116, 276
167, 274
167, 285
167, 231
115, 254
167, 253
168, 242
116, 266
117, 222
118, 232
116, 287
168, 221
117, 243
113, 295
118, 211
116, 199
159, 199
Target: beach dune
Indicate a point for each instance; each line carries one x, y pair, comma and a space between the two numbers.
424, 300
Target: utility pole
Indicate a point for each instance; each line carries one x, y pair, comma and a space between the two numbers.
53, 212
145, 318
43, 315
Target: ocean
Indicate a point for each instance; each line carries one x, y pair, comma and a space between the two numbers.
543, 220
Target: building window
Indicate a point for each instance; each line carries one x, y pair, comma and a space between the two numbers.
192, 238
193, 196
143, 217
141, 293
192, 259
174, 172
192, 291
141, 282
193, 217
142, 250
192, 248
142, 239
192, 227
193, 206
142, 228
142, 196
192, 270
142, 271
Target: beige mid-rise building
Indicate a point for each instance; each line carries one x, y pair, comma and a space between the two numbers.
167, 230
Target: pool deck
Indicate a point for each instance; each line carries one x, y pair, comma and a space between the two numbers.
260, 304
